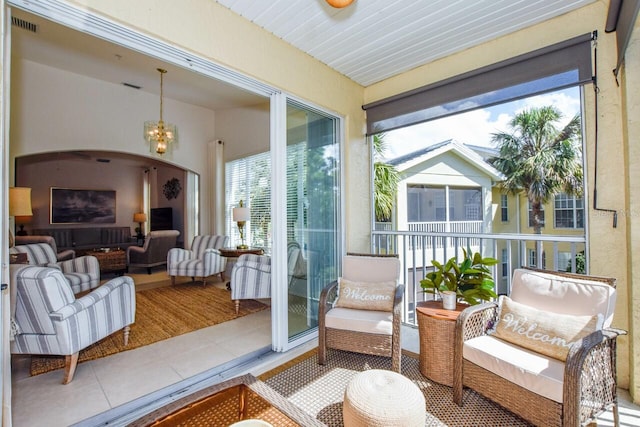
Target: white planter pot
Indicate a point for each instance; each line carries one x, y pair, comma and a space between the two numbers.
449, 300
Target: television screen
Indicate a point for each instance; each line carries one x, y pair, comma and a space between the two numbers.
161, 219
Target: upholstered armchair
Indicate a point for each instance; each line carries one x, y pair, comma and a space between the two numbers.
202, 260
48, 320
250, 278
83, 273
157, 245
51, 241
546, 352
350, 321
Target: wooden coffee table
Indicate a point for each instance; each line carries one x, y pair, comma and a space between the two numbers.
111, 260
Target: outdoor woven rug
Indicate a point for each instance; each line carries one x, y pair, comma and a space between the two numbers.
162, 313
319, 390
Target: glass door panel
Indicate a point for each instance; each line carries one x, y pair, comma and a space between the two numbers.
313, 212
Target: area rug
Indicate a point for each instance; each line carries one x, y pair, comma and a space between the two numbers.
319, 390
162, 313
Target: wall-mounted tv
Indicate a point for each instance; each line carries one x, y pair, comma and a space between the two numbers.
161, 219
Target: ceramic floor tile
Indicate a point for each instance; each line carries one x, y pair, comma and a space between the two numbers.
121, 386
190, 363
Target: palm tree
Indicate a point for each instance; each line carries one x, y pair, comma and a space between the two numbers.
539, 159
385, 181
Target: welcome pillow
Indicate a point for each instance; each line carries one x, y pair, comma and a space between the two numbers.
544, 332
377, 296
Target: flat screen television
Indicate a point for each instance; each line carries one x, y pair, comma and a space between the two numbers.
161, 219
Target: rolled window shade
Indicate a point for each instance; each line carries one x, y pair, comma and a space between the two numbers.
561, 65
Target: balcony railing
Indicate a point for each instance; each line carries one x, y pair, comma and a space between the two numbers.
416, 249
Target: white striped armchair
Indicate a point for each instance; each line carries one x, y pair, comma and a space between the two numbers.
83, 273
202, 260
47, 319
250, 278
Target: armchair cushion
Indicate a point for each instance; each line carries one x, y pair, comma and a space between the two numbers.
367, 321
528, 369
378, 296
544, 332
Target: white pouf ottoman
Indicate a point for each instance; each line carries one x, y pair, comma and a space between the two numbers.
377, 398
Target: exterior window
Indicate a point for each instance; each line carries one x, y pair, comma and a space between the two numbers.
505, 260
568, 211
425, 203
531, 257
504, 208
531, 214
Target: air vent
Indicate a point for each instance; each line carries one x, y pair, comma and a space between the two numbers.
100, 160
25, 25
131, 85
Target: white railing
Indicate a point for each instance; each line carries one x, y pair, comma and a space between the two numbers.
416, 249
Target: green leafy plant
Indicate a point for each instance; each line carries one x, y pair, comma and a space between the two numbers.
470, 279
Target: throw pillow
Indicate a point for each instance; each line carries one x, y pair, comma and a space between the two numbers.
377, 296
544, 332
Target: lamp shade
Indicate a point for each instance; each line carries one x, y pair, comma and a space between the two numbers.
140, 217
241, 214
20, 201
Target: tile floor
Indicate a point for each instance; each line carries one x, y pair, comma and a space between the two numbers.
108, 391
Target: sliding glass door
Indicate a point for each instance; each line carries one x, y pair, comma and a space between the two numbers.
312, 212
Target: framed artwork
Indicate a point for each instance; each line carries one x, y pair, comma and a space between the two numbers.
70, 206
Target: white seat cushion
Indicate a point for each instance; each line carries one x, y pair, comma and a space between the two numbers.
533, 371
368, 321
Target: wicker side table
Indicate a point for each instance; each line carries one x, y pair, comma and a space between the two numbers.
436, 327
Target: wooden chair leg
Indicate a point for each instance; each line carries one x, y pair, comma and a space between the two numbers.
70, 363
127, 329
237, 305
222, 276
173, 280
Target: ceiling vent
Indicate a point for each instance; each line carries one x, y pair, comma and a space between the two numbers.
25, 25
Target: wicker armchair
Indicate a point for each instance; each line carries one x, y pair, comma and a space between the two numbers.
541, 389
362, 330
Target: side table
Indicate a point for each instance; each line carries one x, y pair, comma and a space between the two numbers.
436, 327
232, 255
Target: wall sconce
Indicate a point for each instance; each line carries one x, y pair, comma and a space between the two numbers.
241, 215
339, 4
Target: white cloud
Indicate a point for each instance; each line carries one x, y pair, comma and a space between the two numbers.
476, 127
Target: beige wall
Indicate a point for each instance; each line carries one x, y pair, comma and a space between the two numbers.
211, 30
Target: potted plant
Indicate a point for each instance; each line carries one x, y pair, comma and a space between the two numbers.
470, 280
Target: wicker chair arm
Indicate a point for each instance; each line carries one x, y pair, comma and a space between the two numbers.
590, 376
328, 294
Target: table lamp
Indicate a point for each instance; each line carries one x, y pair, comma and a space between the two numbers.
19, 206
241, 215
140, 218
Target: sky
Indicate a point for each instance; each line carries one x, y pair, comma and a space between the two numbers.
475, 127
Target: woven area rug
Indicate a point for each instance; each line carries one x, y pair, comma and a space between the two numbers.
162, 313
319, 390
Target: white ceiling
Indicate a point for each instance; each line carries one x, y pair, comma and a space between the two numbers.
368, 41
372, 40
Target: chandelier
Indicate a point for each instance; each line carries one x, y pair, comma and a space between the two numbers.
160, 135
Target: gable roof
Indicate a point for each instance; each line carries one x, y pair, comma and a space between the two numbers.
467, 153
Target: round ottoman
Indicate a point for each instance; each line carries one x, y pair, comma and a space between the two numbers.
377, 398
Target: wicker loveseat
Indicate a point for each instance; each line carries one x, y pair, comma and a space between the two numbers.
512, 352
